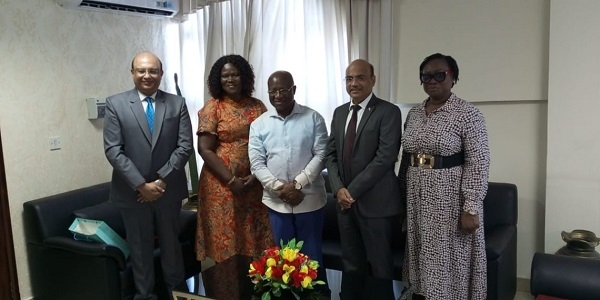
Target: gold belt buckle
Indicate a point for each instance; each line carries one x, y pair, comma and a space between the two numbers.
424, 161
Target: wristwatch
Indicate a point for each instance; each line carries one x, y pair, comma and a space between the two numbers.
297, 185
471, 212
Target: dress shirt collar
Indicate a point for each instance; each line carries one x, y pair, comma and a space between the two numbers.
143, 97
363, 104
298, 109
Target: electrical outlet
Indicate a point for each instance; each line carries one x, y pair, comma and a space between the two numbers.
55, 143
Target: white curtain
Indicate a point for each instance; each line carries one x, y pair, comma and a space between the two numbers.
372, 39
307, 38
313, 39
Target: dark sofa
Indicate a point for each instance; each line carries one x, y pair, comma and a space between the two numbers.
63, 268
565, 277
500, 227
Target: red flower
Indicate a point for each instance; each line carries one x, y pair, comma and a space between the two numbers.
283, 268
272, 252
297, 278
312, 274
257, 267
277, 272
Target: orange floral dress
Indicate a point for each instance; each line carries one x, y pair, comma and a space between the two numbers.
228, 224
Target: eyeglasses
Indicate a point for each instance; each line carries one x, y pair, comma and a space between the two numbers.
359, 78
283, 92
151, 72
437, 76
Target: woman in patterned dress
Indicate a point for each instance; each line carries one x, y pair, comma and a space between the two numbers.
445, 166
231, 217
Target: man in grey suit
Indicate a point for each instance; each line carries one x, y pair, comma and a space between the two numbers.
362, 150
148, 141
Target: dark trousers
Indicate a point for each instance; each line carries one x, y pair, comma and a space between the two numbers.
367, 254
140, 222
306, 227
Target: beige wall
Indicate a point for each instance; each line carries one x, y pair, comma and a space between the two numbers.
573, 178
517, 137
52, 59
502, 51
501, 46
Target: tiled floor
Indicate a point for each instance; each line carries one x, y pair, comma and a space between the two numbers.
523, 296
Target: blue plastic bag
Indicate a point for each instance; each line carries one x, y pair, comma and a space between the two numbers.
97, 231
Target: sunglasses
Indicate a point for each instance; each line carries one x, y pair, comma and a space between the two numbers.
437, 76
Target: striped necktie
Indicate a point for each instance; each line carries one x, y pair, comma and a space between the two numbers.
150, 114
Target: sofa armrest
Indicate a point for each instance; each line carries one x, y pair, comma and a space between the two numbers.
86, 248
565, 276
52, 215
501, 205
497, 239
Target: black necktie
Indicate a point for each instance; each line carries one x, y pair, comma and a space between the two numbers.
349, 144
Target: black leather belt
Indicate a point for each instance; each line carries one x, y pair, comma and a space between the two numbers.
427, 161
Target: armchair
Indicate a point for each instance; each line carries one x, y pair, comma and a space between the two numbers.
64, 268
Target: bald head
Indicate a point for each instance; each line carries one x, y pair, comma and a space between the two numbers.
282, 76
363, 64
146, 54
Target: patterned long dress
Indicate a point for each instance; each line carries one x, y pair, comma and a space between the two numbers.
230, 225
441, 262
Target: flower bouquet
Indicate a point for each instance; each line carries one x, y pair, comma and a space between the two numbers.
281, 270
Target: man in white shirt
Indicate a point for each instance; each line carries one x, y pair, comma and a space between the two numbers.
287, 151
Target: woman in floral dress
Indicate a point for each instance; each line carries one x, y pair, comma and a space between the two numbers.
445, 166
231, 217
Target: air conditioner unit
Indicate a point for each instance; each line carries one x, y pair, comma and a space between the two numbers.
152, 8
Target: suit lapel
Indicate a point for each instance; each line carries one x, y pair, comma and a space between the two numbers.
159, 114
342, 125
365, 117
140, 115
